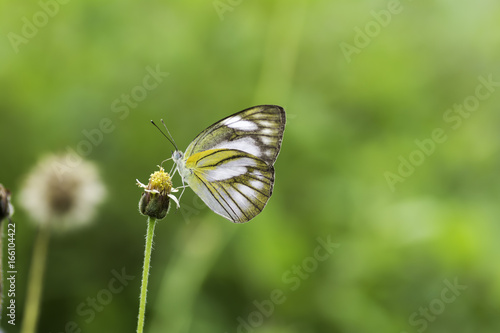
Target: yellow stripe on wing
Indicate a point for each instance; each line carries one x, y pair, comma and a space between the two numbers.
232, 183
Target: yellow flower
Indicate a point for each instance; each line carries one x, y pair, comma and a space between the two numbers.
155, 200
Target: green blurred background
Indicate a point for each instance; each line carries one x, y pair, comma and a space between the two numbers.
352, 117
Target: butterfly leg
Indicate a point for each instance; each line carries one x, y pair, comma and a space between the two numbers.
176, 189
173, 170
183, 189
168, 159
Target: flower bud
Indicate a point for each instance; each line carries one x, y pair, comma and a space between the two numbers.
155, 200
6, 208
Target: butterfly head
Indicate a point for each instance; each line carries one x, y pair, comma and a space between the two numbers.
177, 155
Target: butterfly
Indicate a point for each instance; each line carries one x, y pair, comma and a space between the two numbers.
229, 165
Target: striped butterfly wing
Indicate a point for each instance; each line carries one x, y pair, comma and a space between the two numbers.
230, 164
257, 131
234, 184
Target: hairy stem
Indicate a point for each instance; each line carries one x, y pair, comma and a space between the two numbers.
145, 273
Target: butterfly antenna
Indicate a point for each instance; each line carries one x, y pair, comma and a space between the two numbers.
159, 129
173, 141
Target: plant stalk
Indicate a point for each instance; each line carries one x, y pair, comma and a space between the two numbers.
145, 273
35, 284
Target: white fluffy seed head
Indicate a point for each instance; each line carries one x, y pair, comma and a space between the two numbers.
62, 192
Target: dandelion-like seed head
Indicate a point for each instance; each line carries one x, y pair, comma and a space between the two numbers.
155, 199
63, 194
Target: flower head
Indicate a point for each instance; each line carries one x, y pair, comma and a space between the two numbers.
63, 195
6, 208
155, 200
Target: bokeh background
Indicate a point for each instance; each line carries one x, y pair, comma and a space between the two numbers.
420, 255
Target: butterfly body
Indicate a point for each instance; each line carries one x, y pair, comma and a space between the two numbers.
230, 164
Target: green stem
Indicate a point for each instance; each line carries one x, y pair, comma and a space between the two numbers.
145, 273
35, 283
